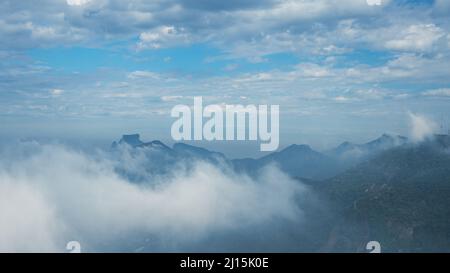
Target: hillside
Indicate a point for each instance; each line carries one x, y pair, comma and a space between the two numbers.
400, 197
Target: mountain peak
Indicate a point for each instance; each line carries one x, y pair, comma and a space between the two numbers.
345, 145
389, 140
297, 147
382, 143
183, 147
135, 141
155, 144
132, 140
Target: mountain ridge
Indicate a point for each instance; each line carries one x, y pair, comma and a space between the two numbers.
297, 160
397, 195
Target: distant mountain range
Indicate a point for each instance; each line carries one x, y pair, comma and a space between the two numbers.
296, 160
160, 159
353, 151
389, 189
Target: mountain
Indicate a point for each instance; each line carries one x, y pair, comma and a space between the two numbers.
399, 164
399, 197
396, 193
295, 160
356, 152
156, 144
155, 158
192, 152
132, 140
302, 161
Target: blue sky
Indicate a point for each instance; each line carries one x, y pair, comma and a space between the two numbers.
340, 70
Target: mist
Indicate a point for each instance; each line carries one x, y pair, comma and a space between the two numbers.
421, 127
51, 194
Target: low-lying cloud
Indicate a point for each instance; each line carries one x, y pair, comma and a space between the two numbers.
421, 127
51, 194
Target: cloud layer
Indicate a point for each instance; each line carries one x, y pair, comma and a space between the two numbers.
51, 195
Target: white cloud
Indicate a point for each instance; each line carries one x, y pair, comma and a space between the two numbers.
374, 2
144, 74
50, 195
163, 36
342, 99
248, 31
77, 2
442, 92
56, 92
412, 66
416, 38
319, 33
370, 94
28, 221
421, 127
313, 70
170, 98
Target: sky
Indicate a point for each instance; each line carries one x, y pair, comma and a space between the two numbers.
92, 70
